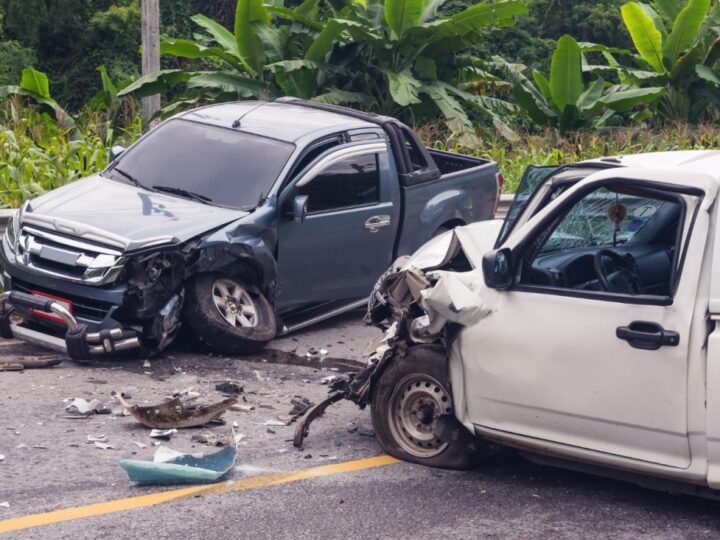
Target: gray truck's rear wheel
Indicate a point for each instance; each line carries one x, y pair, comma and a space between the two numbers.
229, 314
407, 400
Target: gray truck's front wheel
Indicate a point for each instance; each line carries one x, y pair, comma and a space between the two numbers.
229, 314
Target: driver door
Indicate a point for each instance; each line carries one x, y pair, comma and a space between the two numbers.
556, 364
346, 240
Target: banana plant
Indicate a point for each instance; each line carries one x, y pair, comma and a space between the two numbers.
679, 57
392, 56
564, 100
34, 86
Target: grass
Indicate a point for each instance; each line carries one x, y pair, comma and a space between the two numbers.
548, 148
36, 156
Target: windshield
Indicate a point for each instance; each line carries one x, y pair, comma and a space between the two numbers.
204, 163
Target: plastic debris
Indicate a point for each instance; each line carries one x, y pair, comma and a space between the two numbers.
230, 388
273, 422
2, 458
171, 467
82, 408
163, 433
96, 438
103, 446
300, 406
4, 504
177, 413
243, 408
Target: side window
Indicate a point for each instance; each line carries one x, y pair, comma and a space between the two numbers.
354, 181
614, 239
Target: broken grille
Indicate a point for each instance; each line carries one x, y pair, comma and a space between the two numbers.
67, 258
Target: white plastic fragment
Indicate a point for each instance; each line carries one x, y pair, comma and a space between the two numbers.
5, 504
163, 433
103, 446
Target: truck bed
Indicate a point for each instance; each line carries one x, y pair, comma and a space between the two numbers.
466, 192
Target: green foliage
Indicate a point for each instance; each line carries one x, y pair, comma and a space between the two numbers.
565, 101
396, 57
679, 56
37, 155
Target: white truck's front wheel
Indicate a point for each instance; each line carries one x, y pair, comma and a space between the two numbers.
407, 402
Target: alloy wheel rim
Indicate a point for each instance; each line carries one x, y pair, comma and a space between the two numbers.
415, 406
234, 303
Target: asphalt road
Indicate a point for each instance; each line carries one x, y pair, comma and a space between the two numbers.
48, 464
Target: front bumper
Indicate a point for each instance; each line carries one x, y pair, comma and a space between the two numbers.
79, 342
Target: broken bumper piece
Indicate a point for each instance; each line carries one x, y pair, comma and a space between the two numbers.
78, 343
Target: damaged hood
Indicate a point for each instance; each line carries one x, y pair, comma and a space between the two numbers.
110, 212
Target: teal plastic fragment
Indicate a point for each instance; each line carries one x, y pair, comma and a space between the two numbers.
182, 469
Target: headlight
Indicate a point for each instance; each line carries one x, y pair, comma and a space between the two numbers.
11, 231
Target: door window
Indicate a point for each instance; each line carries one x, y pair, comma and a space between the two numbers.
614, 239
353, 181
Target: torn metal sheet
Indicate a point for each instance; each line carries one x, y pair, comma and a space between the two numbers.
171, 467
177, 413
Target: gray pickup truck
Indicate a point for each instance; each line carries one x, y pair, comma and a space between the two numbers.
238, 221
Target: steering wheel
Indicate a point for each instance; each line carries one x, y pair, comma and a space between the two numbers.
623, 276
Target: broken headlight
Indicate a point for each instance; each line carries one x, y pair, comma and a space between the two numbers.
11, 231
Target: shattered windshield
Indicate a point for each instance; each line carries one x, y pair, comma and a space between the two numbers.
204, 163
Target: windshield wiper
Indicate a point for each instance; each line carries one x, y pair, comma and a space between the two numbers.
184, 193
130, 177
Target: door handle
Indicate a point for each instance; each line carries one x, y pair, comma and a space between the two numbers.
649, 336
375, 223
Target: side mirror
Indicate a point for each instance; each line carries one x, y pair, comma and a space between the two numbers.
299, 210
116, 151
497, 269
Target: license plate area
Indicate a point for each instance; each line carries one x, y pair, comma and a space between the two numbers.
64, 302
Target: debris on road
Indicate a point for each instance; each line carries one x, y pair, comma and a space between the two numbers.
96, 438
163, 433
103, 446
300, 406
29, 362
367, 431
171, 467
177, 413
215, 439
230, 388
2, 458
82, 408
273, 422
4, 504
243, 408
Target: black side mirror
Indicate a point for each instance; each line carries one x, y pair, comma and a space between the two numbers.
299, 210
497, 269
116, 151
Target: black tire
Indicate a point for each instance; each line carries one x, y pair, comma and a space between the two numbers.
205, 318
423, 369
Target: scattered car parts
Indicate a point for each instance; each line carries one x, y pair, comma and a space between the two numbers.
171, 467
177, 413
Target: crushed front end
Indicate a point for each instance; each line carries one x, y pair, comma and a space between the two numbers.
88, 297
421, 300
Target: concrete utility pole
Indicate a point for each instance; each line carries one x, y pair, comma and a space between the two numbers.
150, 50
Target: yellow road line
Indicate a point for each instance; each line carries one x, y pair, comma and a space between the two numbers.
142, 501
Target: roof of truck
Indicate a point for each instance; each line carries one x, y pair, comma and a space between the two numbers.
281, 121
703, 161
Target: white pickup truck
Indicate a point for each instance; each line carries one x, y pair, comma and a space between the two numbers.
582, 330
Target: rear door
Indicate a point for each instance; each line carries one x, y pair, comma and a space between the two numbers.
346, 241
